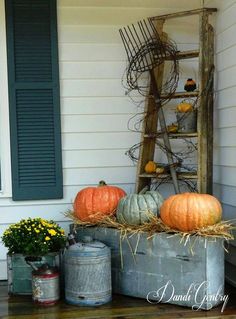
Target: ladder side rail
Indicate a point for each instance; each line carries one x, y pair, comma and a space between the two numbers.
210, 110
204, 135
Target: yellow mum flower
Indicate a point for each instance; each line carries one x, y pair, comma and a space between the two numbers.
52, 232
47, 238
36, 230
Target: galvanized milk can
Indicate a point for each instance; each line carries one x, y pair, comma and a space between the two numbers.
45, 285
88, 273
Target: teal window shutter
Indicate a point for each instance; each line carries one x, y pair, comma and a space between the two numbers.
34, 99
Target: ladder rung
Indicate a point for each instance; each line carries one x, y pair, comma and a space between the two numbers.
180, 95
184, 13
180, 175
181, 55
172, 135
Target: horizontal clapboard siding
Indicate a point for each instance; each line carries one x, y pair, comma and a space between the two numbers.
134, 4
95, 109
98, 105
225, 119
85, 141
96, 158
225, 156
226, 193
225, 114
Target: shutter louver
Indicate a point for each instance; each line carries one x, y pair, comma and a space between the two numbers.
34, 99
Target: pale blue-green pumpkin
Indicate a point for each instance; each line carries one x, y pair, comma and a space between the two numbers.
135, 209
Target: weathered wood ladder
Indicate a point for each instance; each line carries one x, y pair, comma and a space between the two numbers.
204, 132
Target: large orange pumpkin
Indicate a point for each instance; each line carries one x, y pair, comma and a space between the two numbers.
94, 203
190, 211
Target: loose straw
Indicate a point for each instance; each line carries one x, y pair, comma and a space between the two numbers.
155, 225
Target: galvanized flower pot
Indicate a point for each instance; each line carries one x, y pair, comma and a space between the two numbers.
19, 273
187, 122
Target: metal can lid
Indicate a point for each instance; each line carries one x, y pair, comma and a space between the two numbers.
45, 269
88, 245
87, 239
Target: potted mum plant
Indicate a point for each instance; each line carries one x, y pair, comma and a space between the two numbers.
32, 240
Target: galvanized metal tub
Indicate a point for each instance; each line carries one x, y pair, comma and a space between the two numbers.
19, 273
187, 122
164, 265
87, 270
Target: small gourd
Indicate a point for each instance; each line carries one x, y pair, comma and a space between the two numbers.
184, 107
190, 85
135, 209
160, 170
150, 167
172, 128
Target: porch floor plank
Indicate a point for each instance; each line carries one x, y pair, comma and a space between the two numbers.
121, 307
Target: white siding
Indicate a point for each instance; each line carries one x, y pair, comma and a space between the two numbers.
225, 119
95, 108
225, 113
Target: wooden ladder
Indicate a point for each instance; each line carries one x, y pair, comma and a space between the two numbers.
204, 133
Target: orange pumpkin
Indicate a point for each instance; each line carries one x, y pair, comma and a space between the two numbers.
94, 203
150, 167
184, 107
190, 211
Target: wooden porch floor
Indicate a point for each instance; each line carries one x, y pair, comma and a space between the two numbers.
121, 307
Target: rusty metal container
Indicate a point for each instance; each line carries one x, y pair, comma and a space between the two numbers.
87, 267
45, 285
